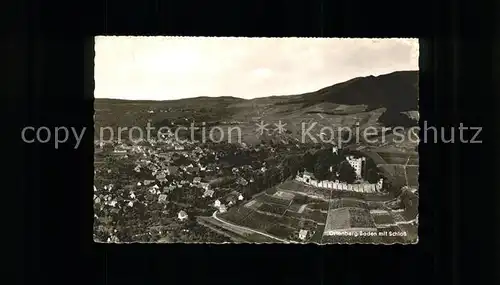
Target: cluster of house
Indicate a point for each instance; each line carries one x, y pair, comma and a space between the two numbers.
303, 234
157, 162
230, 200
308, 178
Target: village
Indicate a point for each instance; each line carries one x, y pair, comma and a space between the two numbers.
154, 191
148, 191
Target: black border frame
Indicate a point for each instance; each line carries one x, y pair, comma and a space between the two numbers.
51, 73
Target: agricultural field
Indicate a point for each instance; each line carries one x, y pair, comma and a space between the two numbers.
317, 216
322, 206
394, 158
281, 231
264, 222
398, 217
236, 214
284, 195
397, 172
292, 185
412, 174
348, 203
271, 191
318, 234
400, 172
383, 219
273, 200
273, 209
294, 207
413, 161
360, 218
375, 206
411, 230
360, 196
398, 158
282, 213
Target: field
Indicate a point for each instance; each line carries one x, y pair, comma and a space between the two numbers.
281, 231
413, 161
375, 205
412, 174
360, 218
273, 200
412, 232
323, 206
394, 158
263, 222
273, 209
284, 195
383, 219
397, 172
318, 234
317, 216
282, 214
348, 203
236, 215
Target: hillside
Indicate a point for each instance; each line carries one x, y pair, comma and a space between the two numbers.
384, 100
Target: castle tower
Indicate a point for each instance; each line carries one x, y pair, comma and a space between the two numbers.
357, 164
380, 183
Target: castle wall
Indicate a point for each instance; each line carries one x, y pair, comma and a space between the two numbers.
336, 185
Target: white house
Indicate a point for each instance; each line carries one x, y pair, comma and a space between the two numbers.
240, 197
302, 234
208, 193
222, 209
162, 198
204, 185
217, 204
380, 183
182, 215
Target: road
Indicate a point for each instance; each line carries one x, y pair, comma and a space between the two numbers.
214, 215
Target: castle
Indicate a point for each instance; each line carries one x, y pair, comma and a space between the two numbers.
308, 178
357, 164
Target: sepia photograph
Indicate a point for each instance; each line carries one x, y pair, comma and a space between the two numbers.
256, 140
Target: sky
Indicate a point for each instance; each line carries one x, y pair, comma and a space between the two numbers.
167, 68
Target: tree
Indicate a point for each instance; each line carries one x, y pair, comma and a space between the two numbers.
308, 161
321, 168
347, 173
292, 164
372, 176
